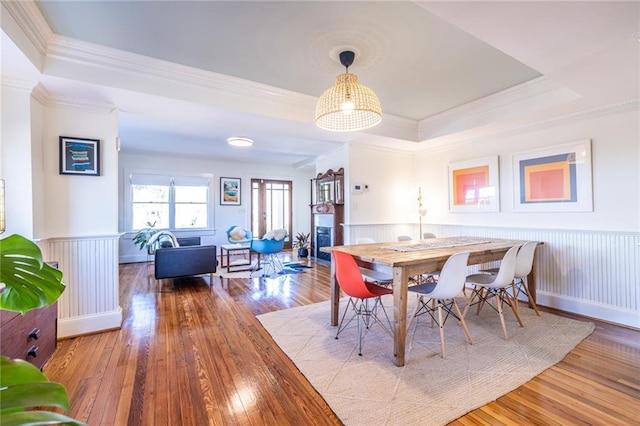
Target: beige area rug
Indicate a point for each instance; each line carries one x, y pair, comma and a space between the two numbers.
371, 390
223, 273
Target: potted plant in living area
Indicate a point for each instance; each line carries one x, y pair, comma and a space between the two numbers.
28, 283
141, 238
301, 242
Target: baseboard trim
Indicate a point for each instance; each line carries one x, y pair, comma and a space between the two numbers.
87, 324
602, 312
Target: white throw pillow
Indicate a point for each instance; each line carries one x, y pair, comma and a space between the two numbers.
275, 234
268, 236
238, 234
279, 234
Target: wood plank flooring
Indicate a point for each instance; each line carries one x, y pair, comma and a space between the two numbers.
191, 354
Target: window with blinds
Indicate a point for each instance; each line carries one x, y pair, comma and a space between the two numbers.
169, 201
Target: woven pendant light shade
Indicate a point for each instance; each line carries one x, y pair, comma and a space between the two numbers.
348, 106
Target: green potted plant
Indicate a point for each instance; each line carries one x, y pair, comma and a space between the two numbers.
141, 238
301, 242
28, 283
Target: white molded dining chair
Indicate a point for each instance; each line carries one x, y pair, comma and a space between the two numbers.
488, 286
365, 240
442, 296
524, 265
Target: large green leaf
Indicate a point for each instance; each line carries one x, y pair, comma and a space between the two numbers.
34, 418
31, 395
23, 386
30, 282
18, 371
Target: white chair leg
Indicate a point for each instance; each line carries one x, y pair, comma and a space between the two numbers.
511, 302
441, 325
504, 325
525, 286
462, 321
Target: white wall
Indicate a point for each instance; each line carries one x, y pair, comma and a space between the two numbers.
615, 143
81, 205
15, 157
392, 191
224, 216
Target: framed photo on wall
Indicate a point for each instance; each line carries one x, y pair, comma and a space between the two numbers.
474, 185
79, 156
554, 179
230, 189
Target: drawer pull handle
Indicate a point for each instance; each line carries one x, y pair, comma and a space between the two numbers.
35, 333
33, 352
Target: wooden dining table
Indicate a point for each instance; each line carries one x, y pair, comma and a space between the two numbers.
412, 258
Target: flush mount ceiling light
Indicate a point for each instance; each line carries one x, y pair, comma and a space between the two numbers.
239, 141
348, 106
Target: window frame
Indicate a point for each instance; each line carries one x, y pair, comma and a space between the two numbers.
173, 178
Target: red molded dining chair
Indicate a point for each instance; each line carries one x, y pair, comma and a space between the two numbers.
361, 295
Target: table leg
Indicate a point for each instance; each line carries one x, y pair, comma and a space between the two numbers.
400, 286
335, 295
222, 250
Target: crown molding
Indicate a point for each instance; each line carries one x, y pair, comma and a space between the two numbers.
601, 111
40, 94
517, 99
30, 20
80, 105
97, 56
18, 83
394, 126
481, 106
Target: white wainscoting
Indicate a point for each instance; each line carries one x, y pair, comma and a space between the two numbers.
592, 273
91, 301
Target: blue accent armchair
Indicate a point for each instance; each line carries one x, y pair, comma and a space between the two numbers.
238, 235
269, 248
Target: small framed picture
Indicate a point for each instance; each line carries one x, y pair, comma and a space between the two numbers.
230, 191
79, 156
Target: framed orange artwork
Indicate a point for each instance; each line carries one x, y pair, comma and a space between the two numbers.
554, 179
473, 186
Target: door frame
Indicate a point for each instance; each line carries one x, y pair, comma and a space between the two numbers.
262, 207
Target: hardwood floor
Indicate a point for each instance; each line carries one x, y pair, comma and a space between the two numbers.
190, 354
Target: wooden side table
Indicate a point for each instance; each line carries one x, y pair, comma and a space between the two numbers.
229, 250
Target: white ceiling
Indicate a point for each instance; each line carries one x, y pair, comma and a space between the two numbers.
186, 75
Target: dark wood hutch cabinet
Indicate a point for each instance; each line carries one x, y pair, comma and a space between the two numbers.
327, 211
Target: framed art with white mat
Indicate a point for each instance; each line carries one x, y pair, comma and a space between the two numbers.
554, 179
473, 185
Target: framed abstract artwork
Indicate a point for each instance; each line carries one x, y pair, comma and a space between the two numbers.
474, 185
79, 156
230, 191
554, 179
